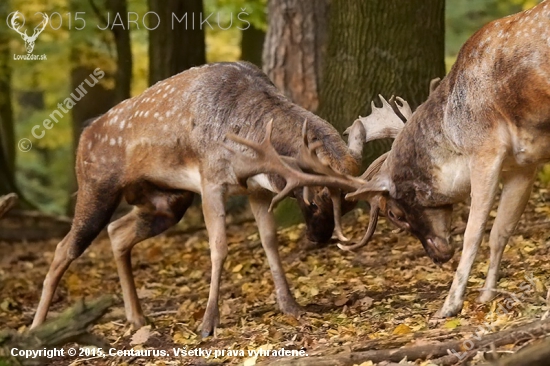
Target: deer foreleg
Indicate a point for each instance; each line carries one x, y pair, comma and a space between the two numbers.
268, 235
516, 190
484, 176
213, 208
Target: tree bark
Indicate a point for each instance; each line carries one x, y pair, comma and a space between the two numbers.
121, 35
294, 48
388, 47
252, 42
175, 46
7, 133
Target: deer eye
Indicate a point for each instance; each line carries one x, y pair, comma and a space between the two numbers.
313, 206
395, 216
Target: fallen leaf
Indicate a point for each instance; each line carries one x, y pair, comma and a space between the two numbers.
402, 329
141, 335
452, 324
237, 268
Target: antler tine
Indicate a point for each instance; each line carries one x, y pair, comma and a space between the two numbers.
374, 167
373, 220
336, 199
385, 103
308, 159
404, 108
267, 160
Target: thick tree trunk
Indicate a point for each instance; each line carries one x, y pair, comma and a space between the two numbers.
7, 134
121, 34
252, 43
178, 43
294, 48
388, 47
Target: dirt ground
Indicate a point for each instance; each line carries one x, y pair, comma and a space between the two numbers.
379, 297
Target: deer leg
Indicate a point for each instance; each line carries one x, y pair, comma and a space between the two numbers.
484, 177
516, 191
93, 210
141, 223
268, 235
213, 207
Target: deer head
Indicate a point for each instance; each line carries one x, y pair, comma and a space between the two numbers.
29, 41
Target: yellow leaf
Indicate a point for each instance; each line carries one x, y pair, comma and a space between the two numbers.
314, 291
402, 329
237, 268
452, 324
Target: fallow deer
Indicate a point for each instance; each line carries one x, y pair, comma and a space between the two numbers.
160, 148
489, 119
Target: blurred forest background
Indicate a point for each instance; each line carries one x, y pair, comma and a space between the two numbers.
330, 56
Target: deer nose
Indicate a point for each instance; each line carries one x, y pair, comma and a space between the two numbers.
439, 249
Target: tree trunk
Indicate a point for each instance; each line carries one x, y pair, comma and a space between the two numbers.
388, 47
177, 44
252, 42
121, 34
294, 48
7, 134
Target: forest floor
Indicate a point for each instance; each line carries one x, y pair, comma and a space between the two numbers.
382, 296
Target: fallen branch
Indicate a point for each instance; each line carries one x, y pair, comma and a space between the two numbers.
536, 354
70, 326
451, 351
7, 202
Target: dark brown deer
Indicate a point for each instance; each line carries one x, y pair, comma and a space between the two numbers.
160, 148
489, 119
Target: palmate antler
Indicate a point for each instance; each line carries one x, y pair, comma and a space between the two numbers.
382, 123
267, 160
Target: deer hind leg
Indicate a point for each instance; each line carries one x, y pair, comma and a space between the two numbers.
516, 191
268, 235
94, 207
484, 173
162, 211
213, 207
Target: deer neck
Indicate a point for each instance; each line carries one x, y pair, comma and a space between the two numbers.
426, 166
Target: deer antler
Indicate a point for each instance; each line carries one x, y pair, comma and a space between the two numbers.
268, 160
382, 122
403, 107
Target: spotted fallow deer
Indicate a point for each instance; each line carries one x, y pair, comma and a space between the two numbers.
160, 148
488, 120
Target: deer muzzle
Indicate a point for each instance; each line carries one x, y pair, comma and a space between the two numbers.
440, 250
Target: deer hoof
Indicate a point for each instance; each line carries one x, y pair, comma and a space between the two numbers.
448, 311
209, 324
292, 308
208, 329
486, 296
138, 322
